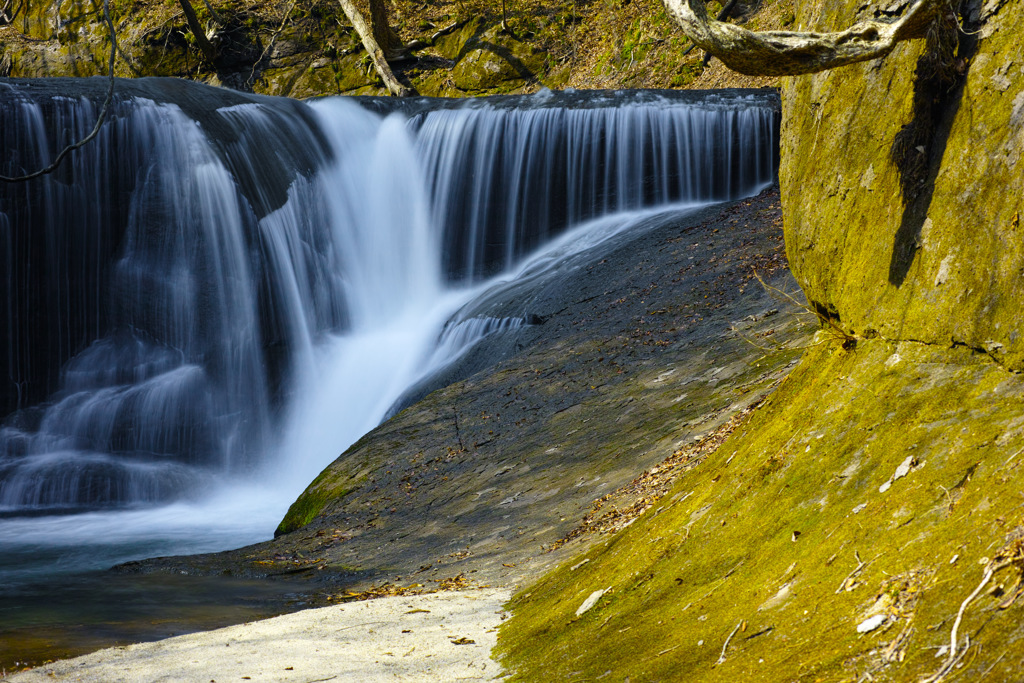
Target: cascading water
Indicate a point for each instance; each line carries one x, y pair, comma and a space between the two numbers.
224, 292
505, 181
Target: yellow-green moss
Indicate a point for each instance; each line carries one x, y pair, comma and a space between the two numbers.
763, 534
948, 269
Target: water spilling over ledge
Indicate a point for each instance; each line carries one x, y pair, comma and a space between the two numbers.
227, 288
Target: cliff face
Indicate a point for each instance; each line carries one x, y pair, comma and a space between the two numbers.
869, 513
944, 267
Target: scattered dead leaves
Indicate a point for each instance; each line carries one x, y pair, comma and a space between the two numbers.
455, 583
896, 600
622, 507
382, 591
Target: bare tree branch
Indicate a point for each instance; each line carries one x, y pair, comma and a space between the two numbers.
207, 48
6, 16
380, 62
791, 53
99, 119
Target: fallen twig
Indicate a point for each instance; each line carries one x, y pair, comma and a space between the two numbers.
721, 657
447, 29
860, 567
955, 653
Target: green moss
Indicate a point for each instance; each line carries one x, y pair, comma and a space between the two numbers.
305, 509
553, 45
453, 45
720, 550
328, 488
492, 61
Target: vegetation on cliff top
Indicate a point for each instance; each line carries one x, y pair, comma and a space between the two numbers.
305, 48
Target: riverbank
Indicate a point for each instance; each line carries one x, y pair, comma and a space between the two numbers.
437, 637
645, 358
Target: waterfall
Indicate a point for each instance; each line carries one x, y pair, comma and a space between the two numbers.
224, 288
506, 180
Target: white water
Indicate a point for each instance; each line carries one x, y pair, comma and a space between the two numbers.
369, 230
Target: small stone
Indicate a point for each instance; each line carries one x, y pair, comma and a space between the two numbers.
904, 468
860, 507
591, 601
871, 623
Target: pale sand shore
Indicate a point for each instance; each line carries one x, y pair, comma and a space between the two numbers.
388, 639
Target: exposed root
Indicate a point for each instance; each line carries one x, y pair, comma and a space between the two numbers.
1010, 555
789, 53
849, 340
99, 119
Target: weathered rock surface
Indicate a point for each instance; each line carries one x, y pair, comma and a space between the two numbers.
636, 358
944, 267
763, 561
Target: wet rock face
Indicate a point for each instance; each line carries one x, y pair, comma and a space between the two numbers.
648, 349
939, 257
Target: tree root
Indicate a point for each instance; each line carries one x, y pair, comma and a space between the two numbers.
99, 119
1010, 555
790, 53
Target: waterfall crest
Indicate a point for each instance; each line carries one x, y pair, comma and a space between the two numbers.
214, 268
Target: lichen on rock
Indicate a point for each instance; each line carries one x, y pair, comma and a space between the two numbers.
944, 266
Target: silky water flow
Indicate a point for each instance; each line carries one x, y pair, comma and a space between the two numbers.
206, 305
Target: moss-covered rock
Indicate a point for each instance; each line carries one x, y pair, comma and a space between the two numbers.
494, 60
762, 563
945, 266
328, 488
838, 535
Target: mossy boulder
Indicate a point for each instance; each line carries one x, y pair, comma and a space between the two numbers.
763, 561
841, 532
495, 60
452, 45
944, 266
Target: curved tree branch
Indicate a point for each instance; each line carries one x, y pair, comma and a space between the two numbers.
790, 53
99, 119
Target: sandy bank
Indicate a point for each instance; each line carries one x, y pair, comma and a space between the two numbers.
437, 637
